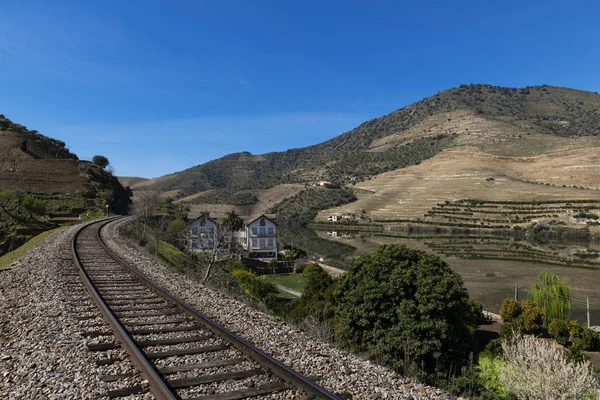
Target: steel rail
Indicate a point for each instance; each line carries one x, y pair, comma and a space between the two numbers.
312, 389
158, 386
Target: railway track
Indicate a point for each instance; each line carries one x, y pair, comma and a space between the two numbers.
178, 351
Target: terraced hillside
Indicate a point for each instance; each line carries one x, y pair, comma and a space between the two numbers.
469, 173
474, 141
41, 179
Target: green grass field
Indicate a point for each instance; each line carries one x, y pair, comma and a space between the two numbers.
9, 258
295, 282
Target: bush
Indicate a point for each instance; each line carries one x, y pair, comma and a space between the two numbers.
100, 161
510, 310
488, 377
316, 299
492, 349
524, 316
233, 264
531, 318
509, 330
258, 288
398, 304
558, 331
537, 370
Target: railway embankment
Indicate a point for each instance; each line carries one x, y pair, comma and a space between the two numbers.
43, 353
342, 372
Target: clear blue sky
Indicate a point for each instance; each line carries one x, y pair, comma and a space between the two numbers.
161, 85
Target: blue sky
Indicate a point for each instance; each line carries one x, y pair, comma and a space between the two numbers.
158, 86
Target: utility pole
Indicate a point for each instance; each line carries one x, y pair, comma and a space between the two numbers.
516, 292
588, 311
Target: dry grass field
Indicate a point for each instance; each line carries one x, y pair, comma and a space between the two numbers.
22, 171
465, 172
131, 180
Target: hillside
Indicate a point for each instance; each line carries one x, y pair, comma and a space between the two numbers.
553, 126
131, 180
40, 179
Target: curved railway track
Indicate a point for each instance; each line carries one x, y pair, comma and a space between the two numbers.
175, 347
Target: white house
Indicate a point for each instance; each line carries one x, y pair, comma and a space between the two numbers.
203, 233
261, 237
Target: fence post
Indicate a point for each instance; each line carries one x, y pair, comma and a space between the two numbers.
516, 291
588, 311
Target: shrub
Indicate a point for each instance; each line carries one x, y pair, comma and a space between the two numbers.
522, 316
316, 299
100, 161
586, 338
510, 310
398, 304
531, 318
558, 331
488, 377
493, 349
537, 370
233, 264
509, 330
258, 288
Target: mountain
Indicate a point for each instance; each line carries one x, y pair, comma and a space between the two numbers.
54, 182
477, 120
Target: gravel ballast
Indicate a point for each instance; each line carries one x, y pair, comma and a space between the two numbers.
43, 354
342, 372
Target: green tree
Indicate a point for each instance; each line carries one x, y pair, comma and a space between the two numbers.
33, 206
233, 221
553, 296
401, 305
175, 229
316, 299
8, 203
100, 161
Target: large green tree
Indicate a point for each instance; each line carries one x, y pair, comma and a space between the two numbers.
552, 295
406, 308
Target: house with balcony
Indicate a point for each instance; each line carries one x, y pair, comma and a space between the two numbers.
261, 238
203, 233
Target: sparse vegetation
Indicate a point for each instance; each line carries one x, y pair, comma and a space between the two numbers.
301, 209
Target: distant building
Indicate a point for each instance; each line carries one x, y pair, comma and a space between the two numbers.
261, 238
324, 183
203, 233
258, 238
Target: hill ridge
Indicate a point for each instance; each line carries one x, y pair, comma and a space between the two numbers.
551, 111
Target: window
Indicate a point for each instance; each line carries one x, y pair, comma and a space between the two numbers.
202, 222
262, 231
270, 230
254, 231
254, 242
262, 222
270, 242
262, 243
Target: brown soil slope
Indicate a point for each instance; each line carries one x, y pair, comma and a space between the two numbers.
27, 171
464, 173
